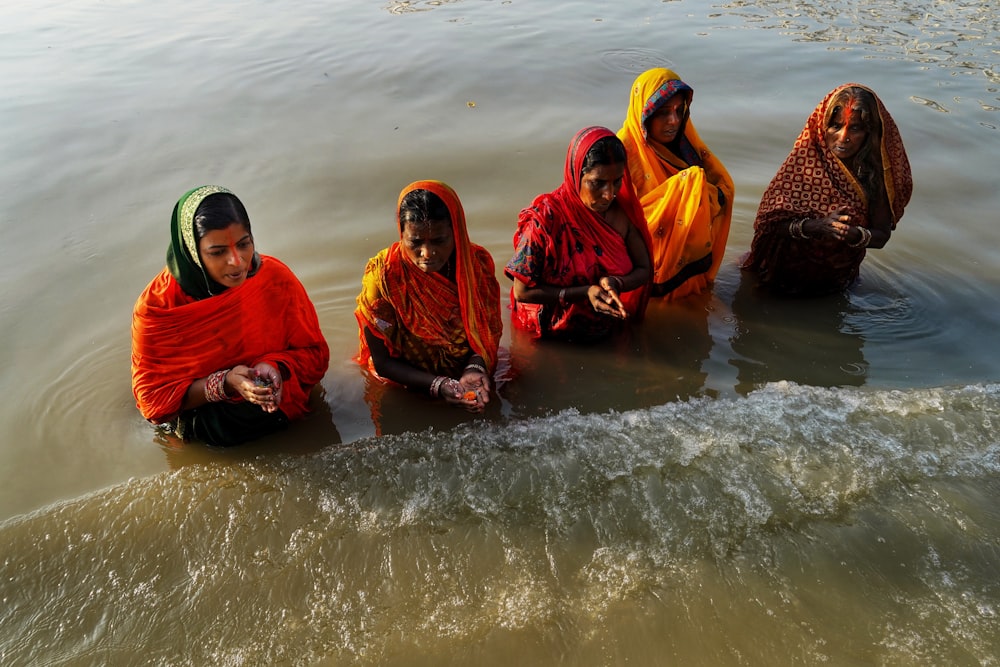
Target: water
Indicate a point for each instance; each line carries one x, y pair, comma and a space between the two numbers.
746, 480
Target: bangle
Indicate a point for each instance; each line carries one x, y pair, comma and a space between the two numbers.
435, 389
475, 367
620, 282
562, 297
795, 229
215, 387
866, 237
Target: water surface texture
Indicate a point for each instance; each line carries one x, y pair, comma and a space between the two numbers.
744, 480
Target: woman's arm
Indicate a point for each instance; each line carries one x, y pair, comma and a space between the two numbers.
413, 378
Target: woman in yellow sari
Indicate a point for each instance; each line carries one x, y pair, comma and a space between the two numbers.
429, 308
685, 191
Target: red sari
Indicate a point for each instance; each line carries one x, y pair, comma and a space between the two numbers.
559, 241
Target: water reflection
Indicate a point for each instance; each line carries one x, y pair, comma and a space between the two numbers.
410, 6
656, 362
396, 410
308, 435
801, 340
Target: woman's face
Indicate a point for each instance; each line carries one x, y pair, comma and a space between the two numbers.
599, 186
226, 254
663, 126
846, 133
428, 245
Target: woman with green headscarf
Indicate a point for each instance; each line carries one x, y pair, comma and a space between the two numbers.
226, 345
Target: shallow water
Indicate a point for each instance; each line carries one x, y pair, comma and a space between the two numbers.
744, 480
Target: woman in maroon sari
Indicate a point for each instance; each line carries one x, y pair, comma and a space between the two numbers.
581, 253
841, 190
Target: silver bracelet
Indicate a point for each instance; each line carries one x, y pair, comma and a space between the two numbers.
476, 367
796, 231
866, 238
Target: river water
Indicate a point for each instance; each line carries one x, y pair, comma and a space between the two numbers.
743, 481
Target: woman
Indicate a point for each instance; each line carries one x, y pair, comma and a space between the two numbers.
685, 191
581, 253
226, 345
429, 307
841, 190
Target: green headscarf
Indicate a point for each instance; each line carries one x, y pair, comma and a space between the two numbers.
183, 260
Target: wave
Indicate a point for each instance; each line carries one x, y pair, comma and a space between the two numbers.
557, 521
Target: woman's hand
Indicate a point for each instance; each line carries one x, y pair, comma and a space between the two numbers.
604, 297
267, 387
260, 385
475, 386
834, 227
454, 393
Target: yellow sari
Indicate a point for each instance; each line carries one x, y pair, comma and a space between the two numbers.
685, 191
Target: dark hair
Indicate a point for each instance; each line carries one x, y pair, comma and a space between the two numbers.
867, 159
421, 207
606, 150
218, 211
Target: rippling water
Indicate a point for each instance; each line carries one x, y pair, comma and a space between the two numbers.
745, 480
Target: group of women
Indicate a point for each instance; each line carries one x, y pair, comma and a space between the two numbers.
226, 345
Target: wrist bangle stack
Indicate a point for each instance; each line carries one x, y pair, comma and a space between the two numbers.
866, 238
215, 387
562, 297
795, 229
435, 389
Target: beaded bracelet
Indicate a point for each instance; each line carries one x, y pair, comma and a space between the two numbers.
215, 387
866, 237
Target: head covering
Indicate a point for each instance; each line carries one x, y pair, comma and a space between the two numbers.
569, 192
476, 313
561, 241
183, 259
414, 313
185, 326
685, 190
650, 91
810, 183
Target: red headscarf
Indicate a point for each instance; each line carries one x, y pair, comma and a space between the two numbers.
569, 233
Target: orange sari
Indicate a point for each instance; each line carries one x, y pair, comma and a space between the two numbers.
686, 193
424, 318
177, 339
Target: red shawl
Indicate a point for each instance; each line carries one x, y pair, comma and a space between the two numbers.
573, 245
177, 339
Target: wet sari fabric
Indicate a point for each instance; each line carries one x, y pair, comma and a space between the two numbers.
561, 242
429, 321
685, 191
811, 183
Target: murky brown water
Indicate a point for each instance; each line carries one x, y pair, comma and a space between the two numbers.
745, 481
